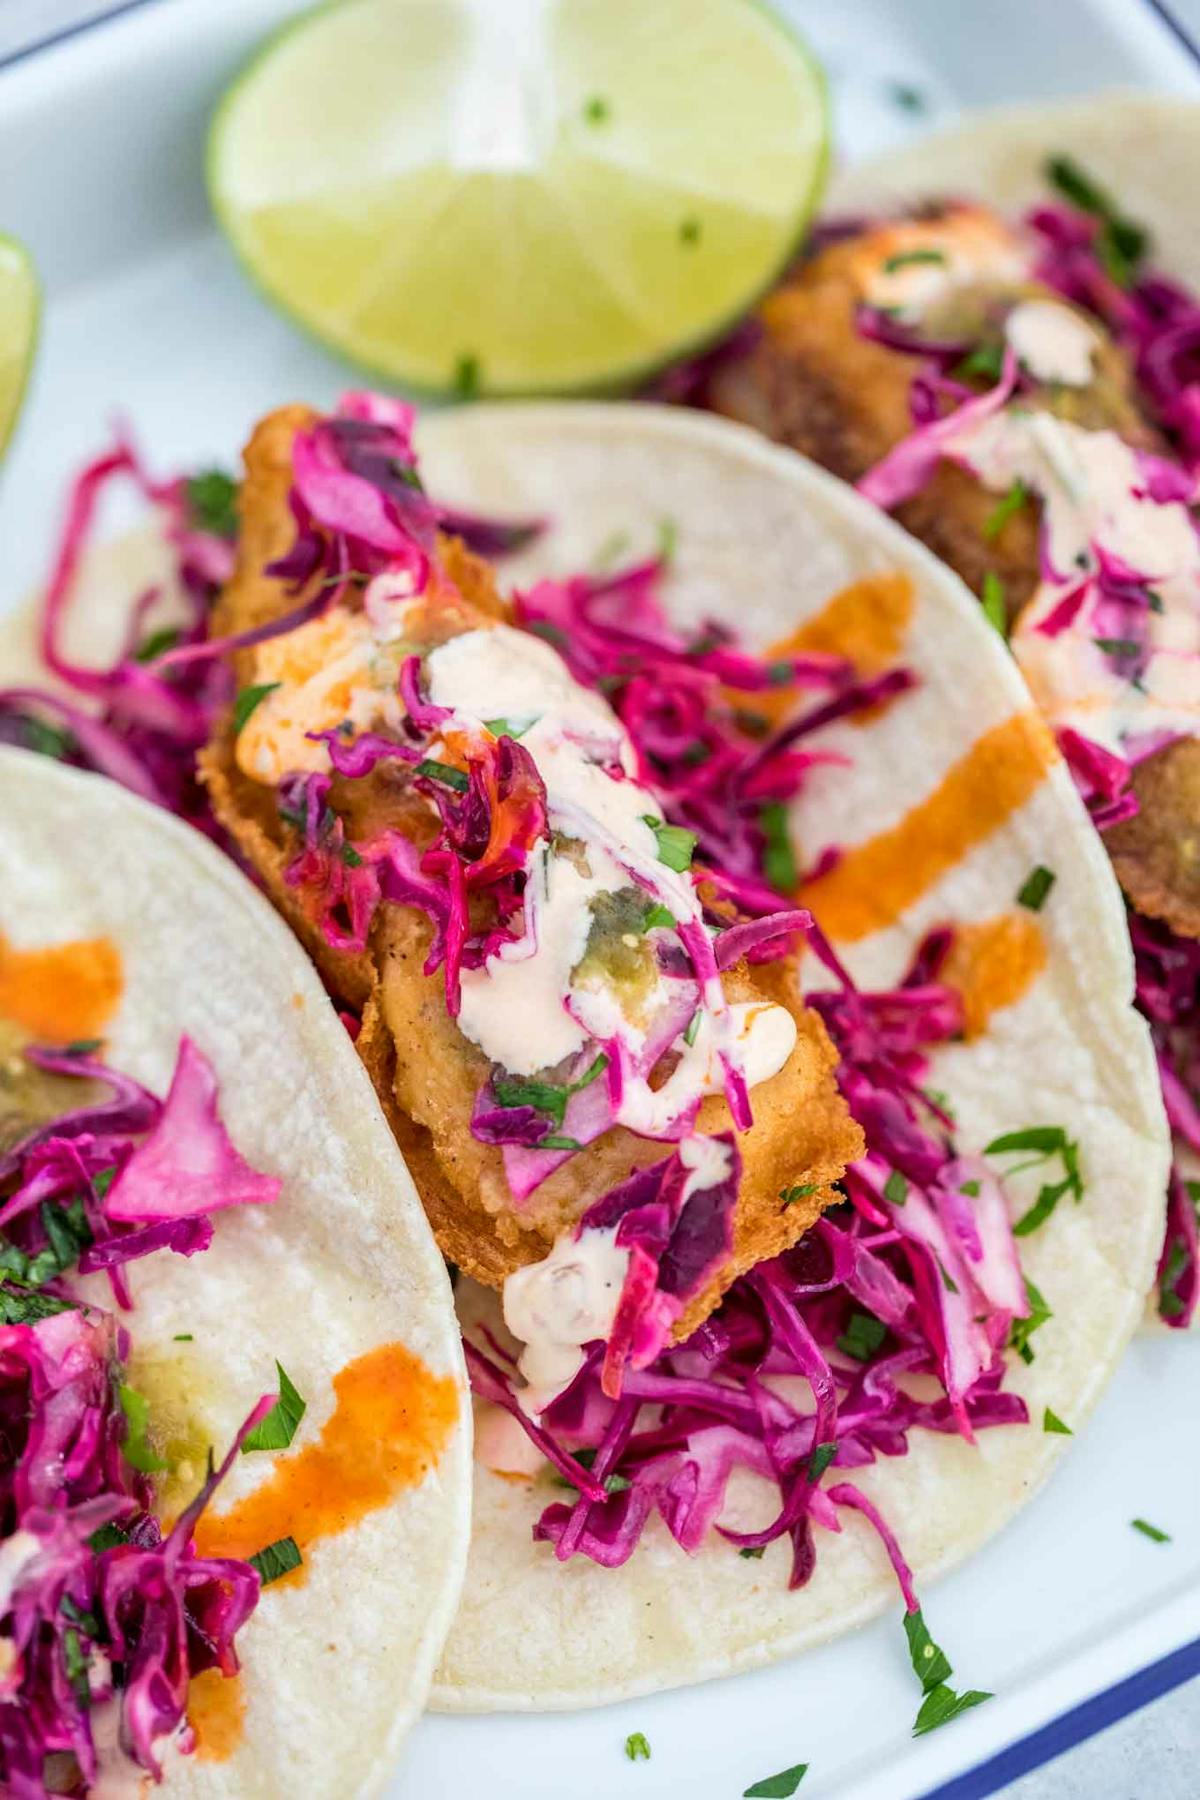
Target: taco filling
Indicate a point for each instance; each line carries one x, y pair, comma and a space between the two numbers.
110, 1610
1024, 397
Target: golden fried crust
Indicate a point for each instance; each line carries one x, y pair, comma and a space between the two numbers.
815, 383
425, 1072
1156, 854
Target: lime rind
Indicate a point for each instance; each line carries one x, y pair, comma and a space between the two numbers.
631, 303
20, 310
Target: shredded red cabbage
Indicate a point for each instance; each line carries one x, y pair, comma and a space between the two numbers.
1168, 993
105, 1620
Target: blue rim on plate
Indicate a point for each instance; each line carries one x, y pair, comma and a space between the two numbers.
1110, 1705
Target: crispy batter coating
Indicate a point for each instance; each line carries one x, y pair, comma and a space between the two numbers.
813, 381
1156, 854
425, 1072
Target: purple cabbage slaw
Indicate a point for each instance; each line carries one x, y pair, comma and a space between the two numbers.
105, 1618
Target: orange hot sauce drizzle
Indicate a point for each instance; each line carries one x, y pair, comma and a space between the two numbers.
991, 964
391, 1423
62, 993
866, 623
874, 882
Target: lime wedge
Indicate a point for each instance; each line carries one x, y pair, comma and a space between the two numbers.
18, 329
515, 196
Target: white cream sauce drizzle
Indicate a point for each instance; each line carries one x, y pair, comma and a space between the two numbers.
1052, 341
1094, 493
559, 1304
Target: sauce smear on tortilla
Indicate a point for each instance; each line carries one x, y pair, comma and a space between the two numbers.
62, 993
216, 1713
391, 1423
874, 882
992, 964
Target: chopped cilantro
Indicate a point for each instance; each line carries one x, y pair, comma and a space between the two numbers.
102, 1180
555, 1142
137, 1449
1051, 1422
157, 644
658, 916
83, 1047
1005, 508
753, 1552
1035, 887
249, 698
466, 377
689, 231
932, 1668
547, 1097
445, 773
276, 1559
1023, 1329
86, 1621
507, 728
1121, 243
212, 502
76, 1665
277, 1430
970, 1188
636, 1747
675, 845
184, 1337
668, 540
790, 1195
689, 1036
1043, 1141
908, 98
46, 740
1121, 648
992, 600
552, 634
1169, 1303
28, 1307
108, 1537
942, 1704
1151, 1531
819, 1461
777, 1787
862, 1337
904, 258
986, 359
596, 110
895, 1188
779, 858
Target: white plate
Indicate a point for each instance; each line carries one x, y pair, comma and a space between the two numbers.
148, 318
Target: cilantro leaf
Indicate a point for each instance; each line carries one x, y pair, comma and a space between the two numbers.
994, 604
819, 1461
659, 916
248, 699
904, 259
137, 1449
779, 858
1035, 887
930, 1664
675, 845
1009, 504
27, 1308
862, 1337
942, 1704
777, 1787
1023, 1329
636, 1747
1043, 1142
444, 773
211, 498
277, 1430
276, 1559
1051, 1422
1151, 1531
790, 1195
895, 1188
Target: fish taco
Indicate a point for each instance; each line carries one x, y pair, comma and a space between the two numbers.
995, 335
235, 1449
736, 966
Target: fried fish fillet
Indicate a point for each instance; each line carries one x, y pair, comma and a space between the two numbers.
812, 380
427, 1074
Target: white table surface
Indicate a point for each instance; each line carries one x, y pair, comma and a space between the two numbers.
1155, 1753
